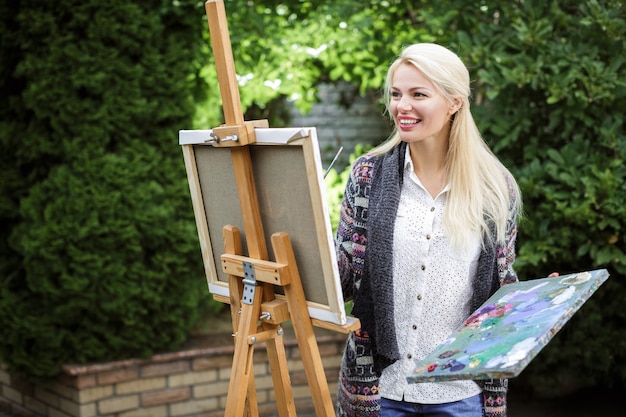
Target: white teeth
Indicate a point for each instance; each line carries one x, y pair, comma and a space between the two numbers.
408, 121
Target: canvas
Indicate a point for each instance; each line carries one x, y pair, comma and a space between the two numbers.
291, 194
501, 337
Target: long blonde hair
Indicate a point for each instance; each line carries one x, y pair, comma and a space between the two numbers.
482, 190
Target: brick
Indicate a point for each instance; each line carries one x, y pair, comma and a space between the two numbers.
260, 356
301, 391
192, 378
46, 397
5, 378
117, 375
298, 378
268, 409
295, 365
223, 399
210, 390
95, 394
213, 362
331, 361
327, 349
224, 374
332, 387
219, 413
67, 380
12, 395
263, 382
260, 368
69, 407
62, 390
262, 396
305, 405
16, 410
118, 404
332, 374
85, 381
160, 411
53, 412
87, 410
193, 407
168, 368
167, 396
34, 405
141, 385
21, 385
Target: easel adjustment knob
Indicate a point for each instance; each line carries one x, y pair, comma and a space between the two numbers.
216, 140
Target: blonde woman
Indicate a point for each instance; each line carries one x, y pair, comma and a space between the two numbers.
427, 233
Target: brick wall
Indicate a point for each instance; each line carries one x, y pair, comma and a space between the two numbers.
187, 383
343, 117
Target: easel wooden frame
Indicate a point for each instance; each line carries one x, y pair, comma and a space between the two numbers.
248, 301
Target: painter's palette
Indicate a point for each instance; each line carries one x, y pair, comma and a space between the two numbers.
509, 329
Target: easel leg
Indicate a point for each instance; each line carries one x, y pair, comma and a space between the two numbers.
242, 359
236, 292
303, 328
280, 376
232, 245
245, 319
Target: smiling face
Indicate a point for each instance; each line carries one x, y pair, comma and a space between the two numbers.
419, 111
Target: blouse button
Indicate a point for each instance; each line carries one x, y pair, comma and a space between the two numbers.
409, 356
414, 327
419, 297
432, 209
427, 237
423, 267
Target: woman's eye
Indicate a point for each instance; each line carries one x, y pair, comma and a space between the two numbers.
395, 94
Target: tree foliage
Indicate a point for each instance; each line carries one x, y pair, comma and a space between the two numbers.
92, 180
548, 88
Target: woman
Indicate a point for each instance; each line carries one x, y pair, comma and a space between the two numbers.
427, 233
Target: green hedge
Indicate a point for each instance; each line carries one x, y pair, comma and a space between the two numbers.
100, 257
552, 79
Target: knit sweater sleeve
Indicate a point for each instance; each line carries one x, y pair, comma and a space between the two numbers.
351, 237
343, 238
495, 390
506, 252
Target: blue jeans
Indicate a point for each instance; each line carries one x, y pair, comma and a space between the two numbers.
470, 407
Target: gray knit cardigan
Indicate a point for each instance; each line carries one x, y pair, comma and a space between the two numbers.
364, 245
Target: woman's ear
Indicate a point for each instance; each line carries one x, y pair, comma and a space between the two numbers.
455, 105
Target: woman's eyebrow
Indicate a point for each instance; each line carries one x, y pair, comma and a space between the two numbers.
412, 89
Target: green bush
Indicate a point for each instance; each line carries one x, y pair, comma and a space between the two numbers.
550, 83
100, 257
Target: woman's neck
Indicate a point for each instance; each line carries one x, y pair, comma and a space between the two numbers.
429, 164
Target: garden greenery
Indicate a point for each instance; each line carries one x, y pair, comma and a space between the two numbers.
100, 258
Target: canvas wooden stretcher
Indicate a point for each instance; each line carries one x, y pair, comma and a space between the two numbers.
508, 331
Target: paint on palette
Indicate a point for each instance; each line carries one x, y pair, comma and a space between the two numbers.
500, 338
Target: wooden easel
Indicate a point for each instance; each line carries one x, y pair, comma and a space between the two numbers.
256, 314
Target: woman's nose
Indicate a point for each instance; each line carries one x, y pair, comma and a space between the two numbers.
404, 104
